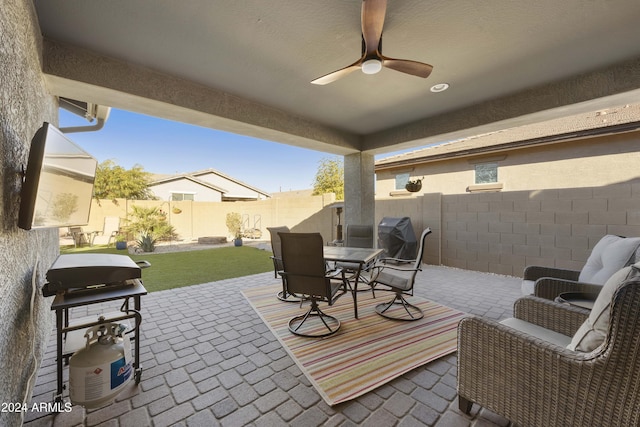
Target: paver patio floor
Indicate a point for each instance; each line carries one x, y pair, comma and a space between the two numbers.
208, 360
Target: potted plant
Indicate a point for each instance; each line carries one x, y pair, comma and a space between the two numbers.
234, 224
414, 185
121, 241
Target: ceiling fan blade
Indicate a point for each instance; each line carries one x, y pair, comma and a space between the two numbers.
415, 68
335, 75
373, 12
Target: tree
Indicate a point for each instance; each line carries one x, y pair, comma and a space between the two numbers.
330, 178
113, 181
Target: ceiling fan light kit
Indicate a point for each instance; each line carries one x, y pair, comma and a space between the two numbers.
371, 66
372, 60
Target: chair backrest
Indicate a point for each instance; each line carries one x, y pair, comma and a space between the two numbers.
276, 243
359, 236
111, 225
303, 263
423, 238
78, 235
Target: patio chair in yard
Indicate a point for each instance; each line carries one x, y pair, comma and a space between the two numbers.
609, 255
78, 235
305, 274
557, 365
109, 231
400, 279
276, 248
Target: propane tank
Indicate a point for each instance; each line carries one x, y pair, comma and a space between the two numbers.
98, 372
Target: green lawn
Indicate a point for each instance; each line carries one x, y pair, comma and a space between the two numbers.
178, 269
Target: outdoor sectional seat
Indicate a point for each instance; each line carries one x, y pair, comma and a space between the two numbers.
557, 365
609, 255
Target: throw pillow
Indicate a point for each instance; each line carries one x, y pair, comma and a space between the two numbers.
609, 255
594, 330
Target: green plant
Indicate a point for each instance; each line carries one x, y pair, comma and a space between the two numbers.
121, 238
234, 224
146, 242
149, 222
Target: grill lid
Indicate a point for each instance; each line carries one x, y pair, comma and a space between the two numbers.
82, 270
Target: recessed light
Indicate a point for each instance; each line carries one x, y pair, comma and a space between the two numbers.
440, 87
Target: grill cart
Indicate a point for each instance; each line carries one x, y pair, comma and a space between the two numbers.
79, 280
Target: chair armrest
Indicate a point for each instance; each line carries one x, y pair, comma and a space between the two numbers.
393, 267
396, 260
562, 318
550, 288
534, 272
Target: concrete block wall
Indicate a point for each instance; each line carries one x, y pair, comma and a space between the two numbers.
503, 232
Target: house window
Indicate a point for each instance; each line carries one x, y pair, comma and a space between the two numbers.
401, 180
486, 173
178, 197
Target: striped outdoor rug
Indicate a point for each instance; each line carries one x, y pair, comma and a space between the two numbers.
365, 353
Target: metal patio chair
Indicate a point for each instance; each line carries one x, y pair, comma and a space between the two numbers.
400, 279
304, 270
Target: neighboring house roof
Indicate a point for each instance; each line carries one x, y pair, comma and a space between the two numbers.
607, 121
194, 177
237, 181
186, 176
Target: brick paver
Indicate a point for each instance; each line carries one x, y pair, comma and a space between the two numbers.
208, 360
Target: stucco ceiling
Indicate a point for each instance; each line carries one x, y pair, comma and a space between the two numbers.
507, 63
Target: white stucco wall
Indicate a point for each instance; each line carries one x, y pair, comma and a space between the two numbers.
590, 162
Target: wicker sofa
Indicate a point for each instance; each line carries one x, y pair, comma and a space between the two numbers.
610, 254
535, 382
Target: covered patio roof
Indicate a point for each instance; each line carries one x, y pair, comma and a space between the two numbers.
246, 67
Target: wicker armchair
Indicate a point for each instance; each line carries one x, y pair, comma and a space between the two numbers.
533, 382
609, 255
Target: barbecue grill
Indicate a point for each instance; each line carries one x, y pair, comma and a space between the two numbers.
396, 237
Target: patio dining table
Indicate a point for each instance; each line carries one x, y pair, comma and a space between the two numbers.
360, 256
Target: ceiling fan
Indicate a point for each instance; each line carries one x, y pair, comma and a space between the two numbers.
372, 59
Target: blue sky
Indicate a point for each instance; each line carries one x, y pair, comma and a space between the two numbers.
167, 147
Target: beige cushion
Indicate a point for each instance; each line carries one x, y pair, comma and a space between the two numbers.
537, 331
594, 330
528, 287
609, 255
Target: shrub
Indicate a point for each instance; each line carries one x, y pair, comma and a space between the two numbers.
149, 222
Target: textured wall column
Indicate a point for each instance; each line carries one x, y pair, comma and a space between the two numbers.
359, 192
25, 256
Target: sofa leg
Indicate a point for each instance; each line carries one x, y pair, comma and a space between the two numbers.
464, 404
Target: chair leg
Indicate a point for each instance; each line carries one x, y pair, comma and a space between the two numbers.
464, 405
287, 296
415, 313
332, 324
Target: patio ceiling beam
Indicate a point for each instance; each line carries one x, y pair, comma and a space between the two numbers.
76, 73
80, 74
